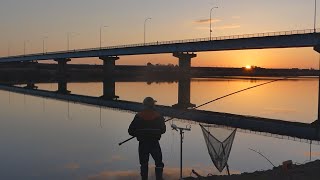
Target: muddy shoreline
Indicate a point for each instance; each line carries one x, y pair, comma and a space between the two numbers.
307, 171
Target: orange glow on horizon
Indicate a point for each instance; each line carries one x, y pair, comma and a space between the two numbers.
265, 58
303, 58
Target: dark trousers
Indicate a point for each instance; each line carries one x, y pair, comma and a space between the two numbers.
145, 149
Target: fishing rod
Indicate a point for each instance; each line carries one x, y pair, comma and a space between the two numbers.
262, 156
211, 101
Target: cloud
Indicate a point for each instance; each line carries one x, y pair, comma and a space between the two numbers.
202, 28
116, 158
169, 173
219, 27
235, 17
206, 21
227, 27
72, 166
116, 175
313, 154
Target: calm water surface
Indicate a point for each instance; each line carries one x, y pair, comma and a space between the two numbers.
50, 139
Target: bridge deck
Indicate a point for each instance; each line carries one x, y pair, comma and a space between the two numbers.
285, 39
257, 124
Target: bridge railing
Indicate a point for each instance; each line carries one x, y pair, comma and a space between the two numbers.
281, 33
219, 38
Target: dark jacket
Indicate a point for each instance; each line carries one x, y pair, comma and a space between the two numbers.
147, 125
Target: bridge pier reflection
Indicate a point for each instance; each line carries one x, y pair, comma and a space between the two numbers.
31, 85
109, 89
63, 86
184, 94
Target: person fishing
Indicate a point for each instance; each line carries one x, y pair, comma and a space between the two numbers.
148, 126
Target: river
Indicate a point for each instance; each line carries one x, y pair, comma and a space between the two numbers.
51, 139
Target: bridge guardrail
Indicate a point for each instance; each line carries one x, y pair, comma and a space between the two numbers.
218, 38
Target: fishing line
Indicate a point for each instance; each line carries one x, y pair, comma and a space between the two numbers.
209, 102
262, 156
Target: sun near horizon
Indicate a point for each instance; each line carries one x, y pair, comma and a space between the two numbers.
248, 67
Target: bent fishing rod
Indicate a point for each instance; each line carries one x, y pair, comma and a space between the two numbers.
211, 101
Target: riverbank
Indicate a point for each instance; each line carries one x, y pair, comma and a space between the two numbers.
34, 71
309, 171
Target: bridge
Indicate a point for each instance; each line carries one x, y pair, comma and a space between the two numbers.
184, 50
256, 124
282, 39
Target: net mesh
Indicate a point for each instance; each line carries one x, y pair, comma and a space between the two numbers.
219, 143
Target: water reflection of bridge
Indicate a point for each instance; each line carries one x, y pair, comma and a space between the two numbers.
246, 123
109, 88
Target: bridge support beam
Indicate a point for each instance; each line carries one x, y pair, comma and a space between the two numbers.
184, 94
109, 64
184, 60
109, 89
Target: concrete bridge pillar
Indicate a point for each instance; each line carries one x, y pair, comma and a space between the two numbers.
184, 60
109, 63
109, 89
62, 66
184, 94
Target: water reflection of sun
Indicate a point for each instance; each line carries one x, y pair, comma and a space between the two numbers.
248, 67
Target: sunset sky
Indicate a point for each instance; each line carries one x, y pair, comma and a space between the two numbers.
32, 20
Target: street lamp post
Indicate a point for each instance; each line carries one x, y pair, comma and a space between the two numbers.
210, 20
315, 15
144, 34
101, 27
9, 44
43, 43
24, 46
68, 41
69, 34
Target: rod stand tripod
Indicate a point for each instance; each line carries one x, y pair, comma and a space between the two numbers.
181, 130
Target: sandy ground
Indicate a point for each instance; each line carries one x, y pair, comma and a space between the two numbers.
308, 171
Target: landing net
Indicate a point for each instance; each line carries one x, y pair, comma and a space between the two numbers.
219, 143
